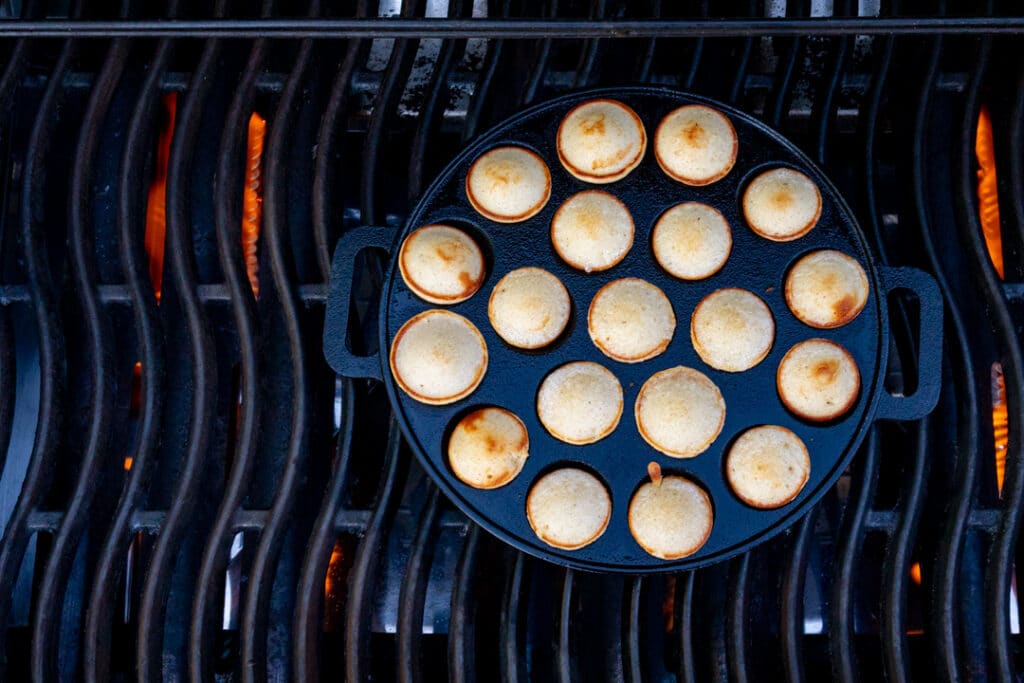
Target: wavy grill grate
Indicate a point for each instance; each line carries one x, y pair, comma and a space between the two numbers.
271, 524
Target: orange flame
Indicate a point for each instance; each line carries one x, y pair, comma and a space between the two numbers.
988, 215
156, 233
988, 190
135, 390
668, 605
334, 587
1000, 423
134, 402
252, 200
156, 203
915, 576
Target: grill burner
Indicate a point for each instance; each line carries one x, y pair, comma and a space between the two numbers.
272, 523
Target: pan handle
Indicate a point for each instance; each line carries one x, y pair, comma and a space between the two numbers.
929, 356
339, 301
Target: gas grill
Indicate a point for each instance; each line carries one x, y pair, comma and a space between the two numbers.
188, 490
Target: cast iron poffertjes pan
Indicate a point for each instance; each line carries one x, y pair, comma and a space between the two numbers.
620, 460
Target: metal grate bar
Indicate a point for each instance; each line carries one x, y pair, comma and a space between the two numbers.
540, 65
45, 520
433, 107
646, 60
736, 618
825, 106
744, 62
511, 28
897, 565
687, 671
12, 74
610, 619
98, 345
513, 613
791, 611
310, 592
414, 592
182, 518
399, 66
50, 332
880, 520
781, 92
698, 52
844, 663
310, 294
1013, 230
481, 93
368, 559
462, 629
227, 221
871, 131
1013, 239
944, 580
261, 576
564, 661
325, 182
110, 564
366, 82
354, 521
589, 48
714, 648
631, 641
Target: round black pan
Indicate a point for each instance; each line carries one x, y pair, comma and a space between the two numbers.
620, 460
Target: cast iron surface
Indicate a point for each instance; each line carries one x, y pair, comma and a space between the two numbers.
620, 460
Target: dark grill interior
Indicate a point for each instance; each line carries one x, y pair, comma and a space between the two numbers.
230, 509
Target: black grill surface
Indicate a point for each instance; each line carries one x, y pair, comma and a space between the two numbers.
188, 491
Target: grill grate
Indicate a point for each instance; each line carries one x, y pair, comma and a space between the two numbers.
271, 523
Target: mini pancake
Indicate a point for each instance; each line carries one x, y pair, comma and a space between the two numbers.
670, 517
488, 448
732, 329
508, 184
782, 204
826, 289
529, 308
568, 508
818, 380
631, 320
580, 402
601, 141
438, 357
441, 264
767, 466
691, 241
680, 412
696, 145
592, 231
